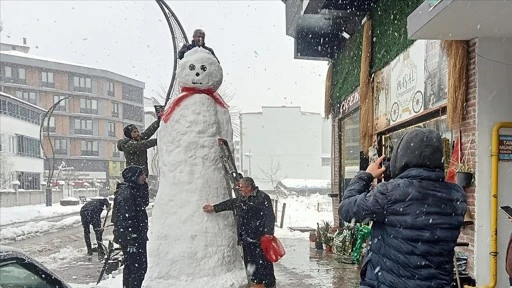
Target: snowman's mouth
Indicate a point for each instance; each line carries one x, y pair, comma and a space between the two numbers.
197, 82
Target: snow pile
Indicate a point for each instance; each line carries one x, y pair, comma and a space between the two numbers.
306, 183
35, 228
65, 257
303, 212
188, 248
11, 215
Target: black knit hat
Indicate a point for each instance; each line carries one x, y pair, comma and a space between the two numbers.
128, 130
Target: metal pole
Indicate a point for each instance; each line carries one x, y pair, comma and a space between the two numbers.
48, 115
282, 215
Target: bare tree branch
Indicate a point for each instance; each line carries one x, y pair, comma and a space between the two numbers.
272, 174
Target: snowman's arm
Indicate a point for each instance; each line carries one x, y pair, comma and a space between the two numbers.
150, 131
227, 205
270, 218
135, 146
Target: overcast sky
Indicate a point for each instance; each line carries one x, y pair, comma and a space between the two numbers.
132, 38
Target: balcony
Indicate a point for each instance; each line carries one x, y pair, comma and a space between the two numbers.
48, 84
89, 153
460, 20
89, 111
83, 132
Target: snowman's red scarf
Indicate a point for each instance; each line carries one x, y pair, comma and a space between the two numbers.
187, 92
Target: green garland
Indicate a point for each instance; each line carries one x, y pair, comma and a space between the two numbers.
346, 69
389, 40
390, 30
363, 233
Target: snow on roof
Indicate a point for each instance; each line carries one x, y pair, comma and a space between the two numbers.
21, 101
113, 75
306, 183
31, 56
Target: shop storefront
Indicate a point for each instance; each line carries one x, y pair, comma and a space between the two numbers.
411, 92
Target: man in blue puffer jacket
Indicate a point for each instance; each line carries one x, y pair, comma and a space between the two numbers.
417, 216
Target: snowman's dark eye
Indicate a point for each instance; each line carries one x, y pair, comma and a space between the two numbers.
192, 67
203, 68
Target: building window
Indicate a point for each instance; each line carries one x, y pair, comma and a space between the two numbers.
110, 88
29, 181
14, 75
82, 84
131, 93
115, 110
62, 105
30, 97
88, 106
60, 146
3, 106
47, 79
326, 161
83, 127
12, 144
29, 147
15, 110
49, 124
111, 129
89, 148
115, 151
350, 157
134, 113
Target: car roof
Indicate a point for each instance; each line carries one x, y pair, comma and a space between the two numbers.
8, 252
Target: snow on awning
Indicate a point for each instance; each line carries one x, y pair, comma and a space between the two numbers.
306, 183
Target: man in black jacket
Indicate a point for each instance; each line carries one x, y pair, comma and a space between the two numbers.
90, 214
136, 144
197, 41
131, 224
417, 216
254, 219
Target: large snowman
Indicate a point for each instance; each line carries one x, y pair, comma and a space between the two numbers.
187, 248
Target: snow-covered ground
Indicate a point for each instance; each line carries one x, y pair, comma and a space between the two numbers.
300, 211
11, 215
33, 220
35, 228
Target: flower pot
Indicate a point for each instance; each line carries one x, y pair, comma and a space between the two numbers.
328, 248
319, 245
464, 179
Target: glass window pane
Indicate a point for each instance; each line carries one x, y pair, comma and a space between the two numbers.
21, 73
8, 72
50, 77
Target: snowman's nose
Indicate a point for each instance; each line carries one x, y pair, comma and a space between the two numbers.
197, 74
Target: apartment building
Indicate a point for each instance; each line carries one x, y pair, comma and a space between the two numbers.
20, 149
85, 127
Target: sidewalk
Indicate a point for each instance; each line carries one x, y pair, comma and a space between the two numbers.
303, 267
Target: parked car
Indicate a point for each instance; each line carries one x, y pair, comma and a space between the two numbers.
18, 270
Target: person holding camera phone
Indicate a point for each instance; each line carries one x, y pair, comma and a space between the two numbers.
417, 215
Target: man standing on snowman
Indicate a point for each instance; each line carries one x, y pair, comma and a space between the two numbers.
197, 41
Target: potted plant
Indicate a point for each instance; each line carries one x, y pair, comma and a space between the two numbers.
327, 239
464, 176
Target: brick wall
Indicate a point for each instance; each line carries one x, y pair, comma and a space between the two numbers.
336, 161
468, 148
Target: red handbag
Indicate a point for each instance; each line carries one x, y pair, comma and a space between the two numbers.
272, 248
